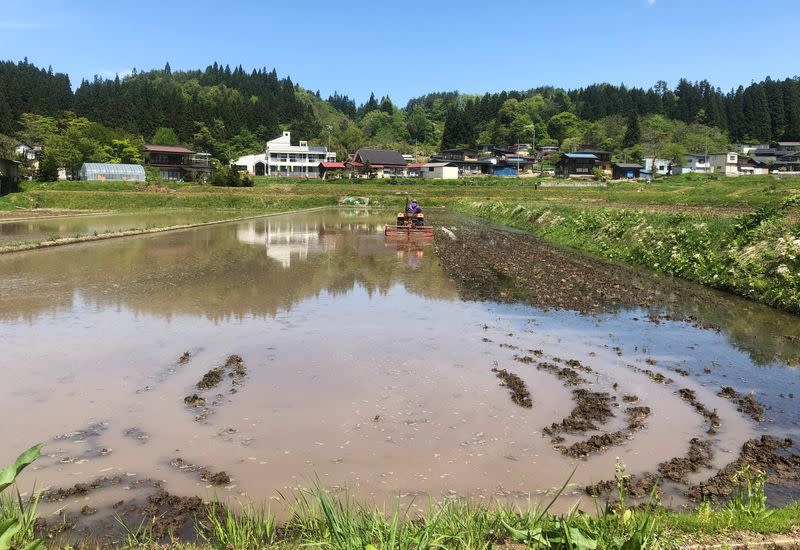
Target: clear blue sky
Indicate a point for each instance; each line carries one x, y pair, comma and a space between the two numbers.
405, 49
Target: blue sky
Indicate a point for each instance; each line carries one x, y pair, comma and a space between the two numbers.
405, 49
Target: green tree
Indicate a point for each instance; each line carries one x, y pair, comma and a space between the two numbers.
165, 136
563, 126
633, 134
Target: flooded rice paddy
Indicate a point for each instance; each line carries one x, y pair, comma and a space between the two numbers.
257, 357
54, 227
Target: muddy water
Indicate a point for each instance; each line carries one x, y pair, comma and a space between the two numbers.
42, 229
363, 368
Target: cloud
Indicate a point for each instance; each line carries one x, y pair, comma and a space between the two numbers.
651, 2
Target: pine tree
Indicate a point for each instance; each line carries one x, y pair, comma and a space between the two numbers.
633, 134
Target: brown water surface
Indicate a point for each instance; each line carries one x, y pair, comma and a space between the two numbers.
363, 368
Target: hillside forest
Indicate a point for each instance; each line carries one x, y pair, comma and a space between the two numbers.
229, 112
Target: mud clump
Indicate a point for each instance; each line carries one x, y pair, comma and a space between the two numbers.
591, 408
525, 359
194, 400
170, 514
184, 358
746, 404
766, 453
711, 416
568, 376
516, 386
219, 478
635, 486
628, 398
699, 457
601, 442
682, 372
211, 379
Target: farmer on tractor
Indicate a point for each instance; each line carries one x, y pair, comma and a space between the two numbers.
413, 207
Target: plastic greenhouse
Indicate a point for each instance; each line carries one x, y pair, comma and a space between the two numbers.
91, 171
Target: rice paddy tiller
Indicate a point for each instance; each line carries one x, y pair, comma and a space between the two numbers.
410, 223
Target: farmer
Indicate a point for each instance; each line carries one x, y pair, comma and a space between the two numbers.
414, 207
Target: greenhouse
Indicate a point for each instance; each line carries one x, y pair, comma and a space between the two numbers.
91, 171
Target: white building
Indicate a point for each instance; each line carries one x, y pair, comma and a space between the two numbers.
439, 171
724, 163
284, 159
662, 166
693, 163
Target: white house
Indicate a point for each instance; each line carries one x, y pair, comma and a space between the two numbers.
299, 161
724, 163
439, 171
693, 163
284, 159
248, 163
662, 166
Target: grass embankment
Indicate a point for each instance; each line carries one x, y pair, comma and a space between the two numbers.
756, 255
715, 193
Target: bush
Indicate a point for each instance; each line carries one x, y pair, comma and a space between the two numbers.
226, 176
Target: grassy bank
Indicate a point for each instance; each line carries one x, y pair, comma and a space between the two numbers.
756, 255
744, 193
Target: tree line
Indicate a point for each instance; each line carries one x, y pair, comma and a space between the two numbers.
229, 112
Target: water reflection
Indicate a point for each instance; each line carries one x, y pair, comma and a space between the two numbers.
255, 267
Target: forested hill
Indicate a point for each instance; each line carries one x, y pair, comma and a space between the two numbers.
230, 111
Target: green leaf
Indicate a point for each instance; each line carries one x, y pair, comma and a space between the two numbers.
580, 541
8, 529
9, 474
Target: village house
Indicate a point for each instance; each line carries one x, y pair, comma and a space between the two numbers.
724, 163
658, 166
175, 162
752, 167
693, 163
281, 158
603, 162
378, 163
789, 146
463, 158
576, 165
439, 171
625, 170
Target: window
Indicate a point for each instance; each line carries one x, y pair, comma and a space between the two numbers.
732, 158
580, 170
430, 169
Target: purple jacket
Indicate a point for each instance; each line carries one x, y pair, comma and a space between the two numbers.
414, 208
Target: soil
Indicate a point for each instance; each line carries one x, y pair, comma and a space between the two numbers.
746, 404
218, 478
591, 409
184, 358
82, 489
167, 514
768, 454
516, 386
194, 400
137, 434
601, 442
565, 374
711, 416
211, 379
699, 457
489, 263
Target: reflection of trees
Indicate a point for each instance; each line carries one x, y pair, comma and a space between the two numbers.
209, 272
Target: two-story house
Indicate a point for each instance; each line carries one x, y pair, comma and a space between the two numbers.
693, 163
174, 162
724, 163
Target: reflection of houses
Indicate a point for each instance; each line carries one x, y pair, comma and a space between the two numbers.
283, 241
9, 175
174, 162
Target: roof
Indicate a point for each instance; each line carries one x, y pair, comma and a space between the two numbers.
10, 160
788, 143
381, 156
416, 165
167, 149
628, 165
580, 156
435, 165
590, 150
332, 164
317, 149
